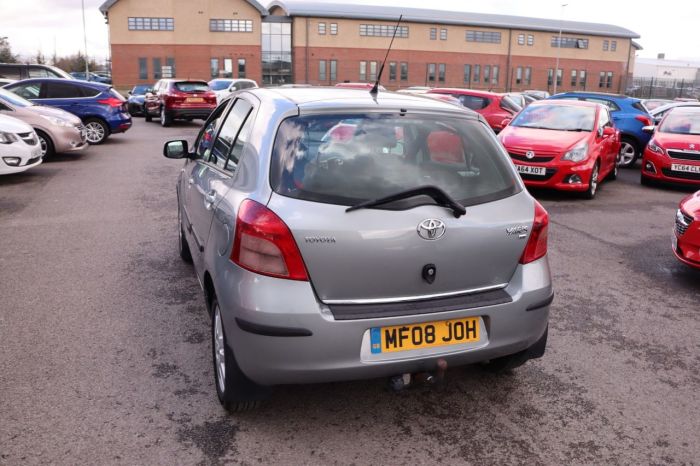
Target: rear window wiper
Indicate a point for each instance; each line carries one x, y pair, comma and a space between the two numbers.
438, 195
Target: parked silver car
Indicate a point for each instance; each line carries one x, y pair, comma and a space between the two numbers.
338, 235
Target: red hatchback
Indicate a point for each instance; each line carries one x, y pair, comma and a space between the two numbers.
563, 144
673, 154
493, 106
184, 99
686, 241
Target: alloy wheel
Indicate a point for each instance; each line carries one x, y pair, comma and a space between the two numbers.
627, 153
594, 179
44, 146
95, 132
219, 350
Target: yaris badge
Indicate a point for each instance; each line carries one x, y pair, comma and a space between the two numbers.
431, 229
530, 154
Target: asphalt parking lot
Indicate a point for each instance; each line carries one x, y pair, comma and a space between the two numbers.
105, 349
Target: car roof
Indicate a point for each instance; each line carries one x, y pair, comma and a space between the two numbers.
569, 103
76, 82
693, 109
458, 90
664, 107
597, 94
331, 98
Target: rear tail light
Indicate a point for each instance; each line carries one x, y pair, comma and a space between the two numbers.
646, 121
111, 101
536, 246
263, 244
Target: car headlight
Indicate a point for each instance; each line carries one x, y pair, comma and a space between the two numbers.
577, 154
7, 138
57, 121
655, 147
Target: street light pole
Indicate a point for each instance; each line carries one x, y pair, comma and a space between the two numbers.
556, 68
87, 71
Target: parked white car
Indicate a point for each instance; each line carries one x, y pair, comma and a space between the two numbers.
223, 87
19, 146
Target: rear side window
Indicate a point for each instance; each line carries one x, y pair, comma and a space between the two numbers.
10, 72
59, 90
507, 103
35, 72
114, 93
347, 159
28, 91
191, 86
473, 102
639, 106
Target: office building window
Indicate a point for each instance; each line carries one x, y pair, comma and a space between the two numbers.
214, 67
431, 72
582, 78
610, 79
276, 50
443, 34
373, 71
392, 71
322, 70
519, 75
334, 70
322, 28
241, 67
334, 29
143, 68
228, 68
151, 24
528, 75
404, 71
363, 71
231, 25
487, 73
383, 30
169, 71
550, 77
606, 45
530, 40
560, 75
433, 33
467, 74
574, 79
521, 39
569, 43
495, 74
601, 81
157, 69
483, 36
613, 45
476, 76
441, 72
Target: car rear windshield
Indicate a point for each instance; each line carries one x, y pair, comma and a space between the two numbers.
556, 117
347, 159
680, 122
191, 86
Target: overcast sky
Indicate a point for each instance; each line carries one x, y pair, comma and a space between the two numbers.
33, 25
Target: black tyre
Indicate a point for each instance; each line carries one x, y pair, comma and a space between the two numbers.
97, 131
182, 245
47, 147
629, 152
593, 182
165, 118
236, 392
147, 115
613, 174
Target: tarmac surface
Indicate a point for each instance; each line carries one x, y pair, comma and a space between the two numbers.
105, 353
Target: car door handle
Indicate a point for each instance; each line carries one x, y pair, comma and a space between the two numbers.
190, 181
209, 199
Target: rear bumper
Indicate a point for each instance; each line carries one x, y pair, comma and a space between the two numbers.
319, 348
120, 123
201, 112
658, 167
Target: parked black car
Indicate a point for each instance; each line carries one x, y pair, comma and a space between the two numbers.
136, 98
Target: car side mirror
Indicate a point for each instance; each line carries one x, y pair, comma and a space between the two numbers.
176, 149
506, 122
649, 129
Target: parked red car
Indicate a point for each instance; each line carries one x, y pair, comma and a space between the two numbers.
493, 106
673, 153
686, 241
568, 145
172, 99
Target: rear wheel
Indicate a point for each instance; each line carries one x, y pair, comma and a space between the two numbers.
96, 131
236, 391
629, 152
593, 182
165, 118
47, 147
613, 174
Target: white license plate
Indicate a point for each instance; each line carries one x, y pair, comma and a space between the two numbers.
539, 171
680, 167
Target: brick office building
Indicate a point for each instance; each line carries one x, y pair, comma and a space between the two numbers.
325, 43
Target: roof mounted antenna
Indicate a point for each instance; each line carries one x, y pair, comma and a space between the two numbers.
375, 88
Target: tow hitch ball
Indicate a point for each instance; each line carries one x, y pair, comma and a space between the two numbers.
403, 381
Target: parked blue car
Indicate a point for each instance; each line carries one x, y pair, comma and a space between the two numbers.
101, 108
629, 116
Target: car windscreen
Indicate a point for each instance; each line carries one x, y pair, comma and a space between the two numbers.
556, 117
219, 85
14, 99
507, 103
140, 90
681, 122
347, 159
191, 86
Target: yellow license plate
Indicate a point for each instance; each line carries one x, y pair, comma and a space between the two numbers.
194, 99
425, 335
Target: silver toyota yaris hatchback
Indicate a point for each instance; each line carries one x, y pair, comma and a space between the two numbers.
339, 235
